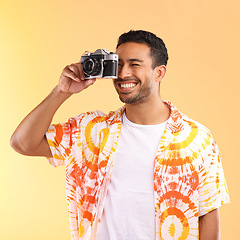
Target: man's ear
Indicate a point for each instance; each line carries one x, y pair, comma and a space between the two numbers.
160, 72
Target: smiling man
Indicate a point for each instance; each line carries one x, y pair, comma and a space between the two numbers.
145, 171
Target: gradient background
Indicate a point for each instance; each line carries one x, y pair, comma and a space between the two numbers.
37, 40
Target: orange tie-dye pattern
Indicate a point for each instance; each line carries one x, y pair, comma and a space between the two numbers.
188, 175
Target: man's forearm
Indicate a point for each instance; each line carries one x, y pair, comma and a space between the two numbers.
29, 137
209, 226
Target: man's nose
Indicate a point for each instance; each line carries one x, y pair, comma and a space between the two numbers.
124, 71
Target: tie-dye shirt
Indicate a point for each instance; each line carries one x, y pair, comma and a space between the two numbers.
188, 175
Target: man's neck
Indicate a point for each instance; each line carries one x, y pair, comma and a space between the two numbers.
148, 113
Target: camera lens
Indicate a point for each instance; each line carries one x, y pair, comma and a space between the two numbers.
91, 67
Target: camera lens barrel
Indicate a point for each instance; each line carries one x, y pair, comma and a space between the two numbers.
91, 67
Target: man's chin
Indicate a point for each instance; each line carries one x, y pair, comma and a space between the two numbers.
130, 100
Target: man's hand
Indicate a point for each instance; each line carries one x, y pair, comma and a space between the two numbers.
73, 79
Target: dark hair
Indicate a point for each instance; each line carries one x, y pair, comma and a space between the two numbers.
158, 49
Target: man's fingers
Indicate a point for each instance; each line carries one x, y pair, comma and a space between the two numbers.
85, 53
90, 81
75, 69
80, 70
70, 72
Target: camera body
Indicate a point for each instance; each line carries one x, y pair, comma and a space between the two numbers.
100, 64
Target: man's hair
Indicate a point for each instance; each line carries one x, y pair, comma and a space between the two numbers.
158, 50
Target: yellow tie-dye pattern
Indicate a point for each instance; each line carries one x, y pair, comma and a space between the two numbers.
59, 157
88, 136
172, 230
81, 230
187, 141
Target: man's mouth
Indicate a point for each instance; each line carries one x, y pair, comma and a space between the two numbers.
127, 85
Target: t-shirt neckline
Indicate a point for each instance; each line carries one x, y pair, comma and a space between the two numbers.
125, 120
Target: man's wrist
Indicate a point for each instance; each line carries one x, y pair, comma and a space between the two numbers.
63, 95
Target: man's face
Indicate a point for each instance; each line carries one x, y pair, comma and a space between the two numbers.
135, 74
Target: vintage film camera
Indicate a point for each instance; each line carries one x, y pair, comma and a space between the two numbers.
100, 64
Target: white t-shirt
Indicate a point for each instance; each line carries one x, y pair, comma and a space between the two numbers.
129, 210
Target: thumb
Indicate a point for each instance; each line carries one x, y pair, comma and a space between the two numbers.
89, 82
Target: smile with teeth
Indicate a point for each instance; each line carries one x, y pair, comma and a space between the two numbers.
127, 85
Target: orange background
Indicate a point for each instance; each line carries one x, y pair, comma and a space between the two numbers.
38, 39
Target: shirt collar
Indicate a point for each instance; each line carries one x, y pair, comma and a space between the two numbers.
175, 122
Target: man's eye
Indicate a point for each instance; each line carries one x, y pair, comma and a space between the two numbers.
135, 64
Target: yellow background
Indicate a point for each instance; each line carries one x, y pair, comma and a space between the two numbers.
37, 40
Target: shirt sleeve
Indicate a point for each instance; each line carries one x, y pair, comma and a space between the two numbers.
213, 190
61, 138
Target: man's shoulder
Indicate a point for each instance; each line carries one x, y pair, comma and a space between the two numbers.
181, 122
189, 121
99, 116
197, 133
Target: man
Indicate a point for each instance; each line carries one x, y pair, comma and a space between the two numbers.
145, 171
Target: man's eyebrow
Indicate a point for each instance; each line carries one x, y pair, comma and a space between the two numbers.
132, 60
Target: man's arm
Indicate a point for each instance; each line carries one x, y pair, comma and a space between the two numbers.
209, 226
29, 137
